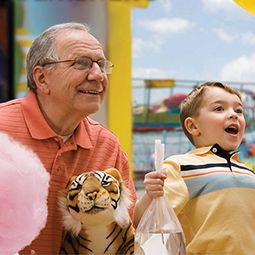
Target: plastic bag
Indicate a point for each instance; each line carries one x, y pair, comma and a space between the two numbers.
159, 230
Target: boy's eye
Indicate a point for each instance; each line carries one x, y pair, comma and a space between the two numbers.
219, 109
239, 110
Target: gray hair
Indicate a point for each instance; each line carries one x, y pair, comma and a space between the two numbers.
43, 48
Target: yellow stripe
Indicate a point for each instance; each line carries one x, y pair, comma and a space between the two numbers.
24, 42
23, 71
21, 87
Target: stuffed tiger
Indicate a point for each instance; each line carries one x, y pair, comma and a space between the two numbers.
95, 215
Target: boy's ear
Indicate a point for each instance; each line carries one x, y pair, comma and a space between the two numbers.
40, 79
191, 126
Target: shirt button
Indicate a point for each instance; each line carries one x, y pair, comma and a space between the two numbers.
214, 150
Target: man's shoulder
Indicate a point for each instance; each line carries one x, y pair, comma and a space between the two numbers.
12, 119
11, 103
11, 107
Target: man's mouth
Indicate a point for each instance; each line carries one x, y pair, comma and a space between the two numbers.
92, 92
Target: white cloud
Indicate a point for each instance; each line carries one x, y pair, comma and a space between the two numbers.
165, 25
140, 45
218, 5
167, 5
224, 36
148, 73
241, 69
246, 38
161, 29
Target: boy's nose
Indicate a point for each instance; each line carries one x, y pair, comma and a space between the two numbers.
233, 115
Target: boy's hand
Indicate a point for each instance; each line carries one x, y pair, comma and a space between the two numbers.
153, 183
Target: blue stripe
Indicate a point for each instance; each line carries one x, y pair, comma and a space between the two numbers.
194, 167
205, 184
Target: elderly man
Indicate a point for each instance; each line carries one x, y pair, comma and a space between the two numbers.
67, 80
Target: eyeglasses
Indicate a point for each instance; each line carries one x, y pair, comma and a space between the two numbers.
83, 63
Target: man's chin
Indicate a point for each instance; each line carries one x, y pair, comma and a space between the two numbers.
93, 111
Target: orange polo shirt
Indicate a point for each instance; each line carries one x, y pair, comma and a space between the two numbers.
92, 147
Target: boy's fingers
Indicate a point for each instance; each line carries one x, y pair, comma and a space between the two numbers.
155, 175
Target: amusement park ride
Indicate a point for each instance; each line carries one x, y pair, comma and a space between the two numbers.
159, 115
163, 114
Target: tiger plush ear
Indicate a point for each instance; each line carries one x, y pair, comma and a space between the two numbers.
121, 214
115, 173
70, 181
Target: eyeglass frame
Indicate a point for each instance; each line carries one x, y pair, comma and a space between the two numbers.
75, 61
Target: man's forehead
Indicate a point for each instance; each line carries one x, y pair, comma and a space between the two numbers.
78, 41
76, 35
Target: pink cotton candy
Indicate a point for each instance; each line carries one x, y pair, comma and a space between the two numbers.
24, 186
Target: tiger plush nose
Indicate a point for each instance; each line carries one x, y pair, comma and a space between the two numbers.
92, 195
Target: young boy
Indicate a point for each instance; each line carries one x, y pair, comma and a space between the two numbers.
211, 191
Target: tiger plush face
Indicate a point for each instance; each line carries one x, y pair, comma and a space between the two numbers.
95, 214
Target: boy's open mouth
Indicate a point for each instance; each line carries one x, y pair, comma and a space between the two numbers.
232, 130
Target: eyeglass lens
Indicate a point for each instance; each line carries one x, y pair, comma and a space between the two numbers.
85, 63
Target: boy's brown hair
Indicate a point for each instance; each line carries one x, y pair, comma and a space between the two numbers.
190, 106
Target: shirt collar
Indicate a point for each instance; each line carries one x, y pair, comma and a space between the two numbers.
39, 128
36, 124
81, 135
217, 150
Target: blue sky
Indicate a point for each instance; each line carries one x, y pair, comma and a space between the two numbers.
194, 40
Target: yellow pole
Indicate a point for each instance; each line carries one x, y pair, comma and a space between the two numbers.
120, 89
119, 52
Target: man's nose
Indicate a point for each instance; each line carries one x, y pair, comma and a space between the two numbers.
95, 73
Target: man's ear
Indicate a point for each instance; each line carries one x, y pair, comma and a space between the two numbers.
40, 79
191, 126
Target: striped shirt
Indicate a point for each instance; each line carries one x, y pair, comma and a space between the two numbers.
92, 147
213, 194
